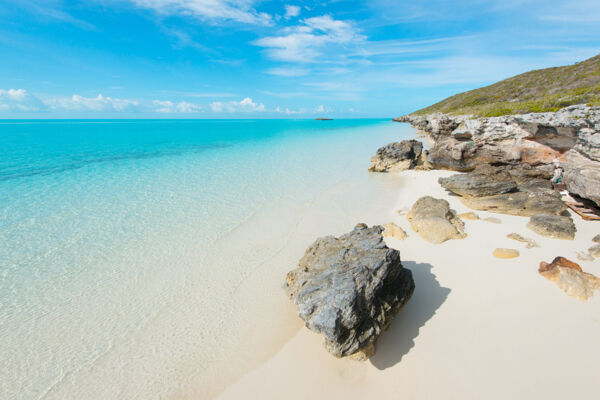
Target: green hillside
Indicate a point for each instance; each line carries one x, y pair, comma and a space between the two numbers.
540, 90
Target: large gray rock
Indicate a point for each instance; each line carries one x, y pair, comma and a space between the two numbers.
398, 156
349, 289
433, 220
554, 226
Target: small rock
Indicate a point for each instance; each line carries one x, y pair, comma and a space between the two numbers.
554, 226
530, 242
570, 278
433, 220
349, 288
596, 239
595, 251
584, 256
398, 156
470, 216
493, 220
506, 253
392, 230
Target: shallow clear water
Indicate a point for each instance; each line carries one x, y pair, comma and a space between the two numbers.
126, 246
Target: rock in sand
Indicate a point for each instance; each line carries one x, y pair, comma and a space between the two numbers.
554, 226
433, 220
506, 253
570, 278
349, 289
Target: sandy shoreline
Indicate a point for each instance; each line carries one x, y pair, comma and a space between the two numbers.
477, 326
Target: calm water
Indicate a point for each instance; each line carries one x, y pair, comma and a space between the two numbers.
124, 244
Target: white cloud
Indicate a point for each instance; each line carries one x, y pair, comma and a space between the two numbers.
307, 41
98, 103
171, 107
246, 105
289, 72
234, 10
19, 100
291, 11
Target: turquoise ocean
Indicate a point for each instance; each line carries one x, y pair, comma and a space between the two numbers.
144, 258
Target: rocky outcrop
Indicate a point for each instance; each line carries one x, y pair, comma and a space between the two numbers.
433, 220
505, 190
554, 226
571, 136
398, 156
570, 278
349, 289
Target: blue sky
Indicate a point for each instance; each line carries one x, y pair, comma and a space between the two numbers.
268, 59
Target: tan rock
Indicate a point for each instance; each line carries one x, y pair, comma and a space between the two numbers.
570, 278
584, 256
392, 230
506, 253
493, 220
530, 242
433, 220
470, 216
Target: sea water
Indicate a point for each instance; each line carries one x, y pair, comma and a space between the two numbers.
144, 258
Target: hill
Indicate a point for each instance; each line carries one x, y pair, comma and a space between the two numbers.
540, 90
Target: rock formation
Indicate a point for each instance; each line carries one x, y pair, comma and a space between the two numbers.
554, 226
349, 289
433, 220
570, 135
398, 156
505, 190
570, 278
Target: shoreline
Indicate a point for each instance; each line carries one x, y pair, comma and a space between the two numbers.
480, 303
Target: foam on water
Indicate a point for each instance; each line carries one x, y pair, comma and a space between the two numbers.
144, 259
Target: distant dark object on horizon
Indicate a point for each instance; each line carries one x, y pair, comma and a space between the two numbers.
323, 119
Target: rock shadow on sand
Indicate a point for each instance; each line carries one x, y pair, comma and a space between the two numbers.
397, 341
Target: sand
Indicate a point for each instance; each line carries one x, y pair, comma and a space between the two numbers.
476, 327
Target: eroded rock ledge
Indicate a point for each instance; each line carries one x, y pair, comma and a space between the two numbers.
532, 141
349, 289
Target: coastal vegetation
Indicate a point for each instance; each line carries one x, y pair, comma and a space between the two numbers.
535, 91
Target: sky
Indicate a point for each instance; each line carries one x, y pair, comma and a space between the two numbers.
273, 59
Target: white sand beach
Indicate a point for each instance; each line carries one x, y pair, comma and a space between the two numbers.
476, 326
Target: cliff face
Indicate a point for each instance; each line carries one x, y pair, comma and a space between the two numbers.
534, 141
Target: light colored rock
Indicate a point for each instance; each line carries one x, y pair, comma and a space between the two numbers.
554, 226
594, 251
570, 278
506, 253
493, 220
349, 288
392, 230
433, 220
530, 243
584, 256
582, 175
478, 184
471, 216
